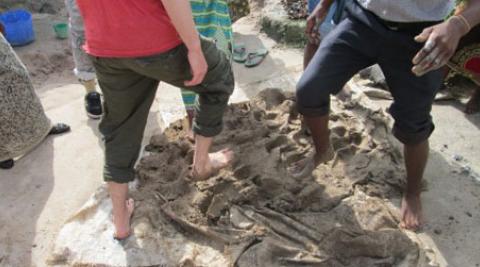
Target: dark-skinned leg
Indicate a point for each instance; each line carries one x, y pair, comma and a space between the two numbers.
323, 150
308, 53
416, 157
473, 104
320, 135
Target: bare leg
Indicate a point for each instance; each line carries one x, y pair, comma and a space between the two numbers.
416, 157
122, 209
90, 86
190, 115
323, 150
206, 164
310, 50
473, 105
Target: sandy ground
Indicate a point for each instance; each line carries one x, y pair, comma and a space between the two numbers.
48, 185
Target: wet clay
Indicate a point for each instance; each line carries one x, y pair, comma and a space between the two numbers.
254, 213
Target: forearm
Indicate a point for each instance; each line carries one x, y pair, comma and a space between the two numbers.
326, 3
180, 13
471, 12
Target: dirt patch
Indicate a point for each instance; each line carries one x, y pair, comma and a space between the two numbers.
296, 9
38, 6
42, 66
255, 213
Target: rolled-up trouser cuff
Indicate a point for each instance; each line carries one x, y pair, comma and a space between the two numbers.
313, 112
208, 120
118, 175
207, 131
409, 138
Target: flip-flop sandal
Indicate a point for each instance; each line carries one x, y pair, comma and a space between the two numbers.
59, 128
239, 53
255, 58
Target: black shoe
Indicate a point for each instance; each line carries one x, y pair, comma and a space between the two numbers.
59, 128
7, 164
93, 105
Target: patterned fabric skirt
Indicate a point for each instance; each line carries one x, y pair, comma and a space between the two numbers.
466, 60
212, 20
23, 123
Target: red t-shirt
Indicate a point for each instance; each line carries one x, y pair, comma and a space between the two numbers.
127, 28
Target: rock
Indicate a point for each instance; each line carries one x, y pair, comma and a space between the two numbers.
239, 220
465, 170
457, 157
217, 206
375, 75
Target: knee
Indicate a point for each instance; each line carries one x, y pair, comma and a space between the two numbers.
303, 92
310, 93
411, 130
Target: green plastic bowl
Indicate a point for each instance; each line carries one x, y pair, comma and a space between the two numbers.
61, 30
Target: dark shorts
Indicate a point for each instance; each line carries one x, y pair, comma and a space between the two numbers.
360, 41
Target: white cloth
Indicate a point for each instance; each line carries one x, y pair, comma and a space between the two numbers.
410, 10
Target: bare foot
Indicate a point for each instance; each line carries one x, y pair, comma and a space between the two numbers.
216, 161
305, 167
473, 105
122, 225
412, 217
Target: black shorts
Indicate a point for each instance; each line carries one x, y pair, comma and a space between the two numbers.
359, 41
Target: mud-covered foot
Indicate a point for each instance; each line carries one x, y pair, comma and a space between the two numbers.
473, 105
122, 225
216, 161
305, 167
412, 216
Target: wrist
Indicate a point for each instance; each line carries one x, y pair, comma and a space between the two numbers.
459, 25
194, 45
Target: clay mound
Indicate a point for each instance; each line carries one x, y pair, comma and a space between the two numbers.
255, 213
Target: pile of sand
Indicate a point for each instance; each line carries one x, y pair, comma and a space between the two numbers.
254, 213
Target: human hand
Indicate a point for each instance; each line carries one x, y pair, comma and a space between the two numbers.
441, 41
198, 67
313, 23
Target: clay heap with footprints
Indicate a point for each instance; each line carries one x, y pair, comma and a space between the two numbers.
254, 213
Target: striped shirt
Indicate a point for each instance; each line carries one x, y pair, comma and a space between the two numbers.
212, 19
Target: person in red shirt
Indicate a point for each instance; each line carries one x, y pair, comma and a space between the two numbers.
135, 44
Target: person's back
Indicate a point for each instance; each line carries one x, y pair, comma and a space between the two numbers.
127, 28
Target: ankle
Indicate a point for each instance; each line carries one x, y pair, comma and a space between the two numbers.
412, 193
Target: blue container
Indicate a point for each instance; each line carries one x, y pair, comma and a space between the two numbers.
18, 27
